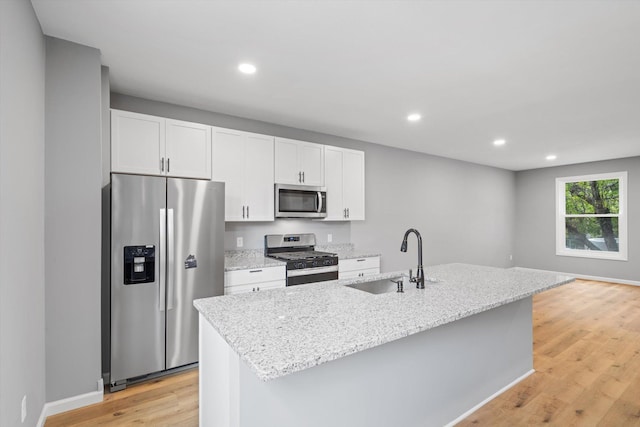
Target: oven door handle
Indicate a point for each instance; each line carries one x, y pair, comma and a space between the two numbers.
319, 202
310, 271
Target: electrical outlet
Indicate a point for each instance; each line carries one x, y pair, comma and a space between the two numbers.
239, 242
24, 408
329, 238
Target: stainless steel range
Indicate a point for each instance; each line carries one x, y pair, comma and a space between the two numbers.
304, 263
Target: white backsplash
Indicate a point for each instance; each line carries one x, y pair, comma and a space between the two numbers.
253, 233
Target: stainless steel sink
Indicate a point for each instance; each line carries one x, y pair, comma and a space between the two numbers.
381, 286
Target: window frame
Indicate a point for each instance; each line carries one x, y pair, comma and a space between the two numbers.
561, 216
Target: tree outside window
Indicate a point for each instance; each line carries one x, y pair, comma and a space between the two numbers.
591, 216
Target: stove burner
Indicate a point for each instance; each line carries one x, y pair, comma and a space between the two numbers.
302, 255
304, 263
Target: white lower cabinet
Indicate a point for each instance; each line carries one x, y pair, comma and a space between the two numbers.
358, 267
254, 280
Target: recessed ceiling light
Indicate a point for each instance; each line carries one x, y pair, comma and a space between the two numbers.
551, 157
414, 117
499, 142
247, 68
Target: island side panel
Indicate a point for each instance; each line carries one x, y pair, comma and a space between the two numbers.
429, 378
218, 378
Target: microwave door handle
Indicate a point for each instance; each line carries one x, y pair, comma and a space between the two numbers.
319, 204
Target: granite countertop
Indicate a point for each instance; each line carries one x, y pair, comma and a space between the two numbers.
248, 259
346, 251
254, 258
281, 331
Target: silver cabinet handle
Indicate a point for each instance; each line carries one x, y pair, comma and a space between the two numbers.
348, 213
344, 213
242, 211
255, 271
168, 165
360, 260
162, 164
247, 211
303, 177
300, 177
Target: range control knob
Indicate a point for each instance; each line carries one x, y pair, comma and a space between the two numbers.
300, 265
315, 263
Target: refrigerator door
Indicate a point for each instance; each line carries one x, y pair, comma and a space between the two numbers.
195, 259
137, 309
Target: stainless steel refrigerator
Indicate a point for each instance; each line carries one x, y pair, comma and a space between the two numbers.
167, 249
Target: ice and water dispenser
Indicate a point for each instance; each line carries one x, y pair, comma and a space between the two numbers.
139, 264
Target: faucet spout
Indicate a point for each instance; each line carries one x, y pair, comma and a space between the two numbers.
419, 279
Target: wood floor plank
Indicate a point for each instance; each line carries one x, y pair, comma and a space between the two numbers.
586, 356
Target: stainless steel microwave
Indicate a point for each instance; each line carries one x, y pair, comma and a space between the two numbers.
300, 201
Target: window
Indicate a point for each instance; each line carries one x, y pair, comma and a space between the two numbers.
592, 216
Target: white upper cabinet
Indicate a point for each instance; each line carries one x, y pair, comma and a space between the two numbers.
298, 162
344, 171
244, 162
151, 145
188, 149
137, 143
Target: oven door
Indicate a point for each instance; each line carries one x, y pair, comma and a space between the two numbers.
297, 201
312, 275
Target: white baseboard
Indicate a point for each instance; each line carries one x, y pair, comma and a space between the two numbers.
587, 277
488, 399
68, 404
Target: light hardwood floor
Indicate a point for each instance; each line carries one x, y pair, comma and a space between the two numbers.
586, 357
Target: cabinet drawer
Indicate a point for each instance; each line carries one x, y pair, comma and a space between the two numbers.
254, 287
359, 264
358, 273
254, 275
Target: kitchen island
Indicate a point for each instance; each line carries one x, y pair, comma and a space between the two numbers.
418, 358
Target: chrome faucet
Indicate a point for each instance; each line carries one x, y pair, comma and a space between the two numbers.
419, 278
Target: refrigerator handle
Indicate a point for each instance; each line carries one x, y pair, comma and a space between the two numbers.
171, 265
163, 263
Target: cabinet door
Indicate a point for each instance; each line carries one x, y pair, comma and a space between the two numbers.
137, 143
258, 186
228, 167
312, 163
353, 184
188, 149
333, 179
287, 163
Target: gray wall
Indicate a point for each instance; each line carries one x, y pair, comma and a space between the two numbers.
22, 340
105, 291
465, 212
73, 218
535, 213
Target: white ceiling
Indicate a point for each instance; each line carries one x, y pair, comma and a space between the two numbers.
559, 77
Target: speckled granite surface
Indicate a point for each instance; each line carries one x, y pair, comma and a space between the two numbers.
254, 258
248, 259
346, 251
281, 331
